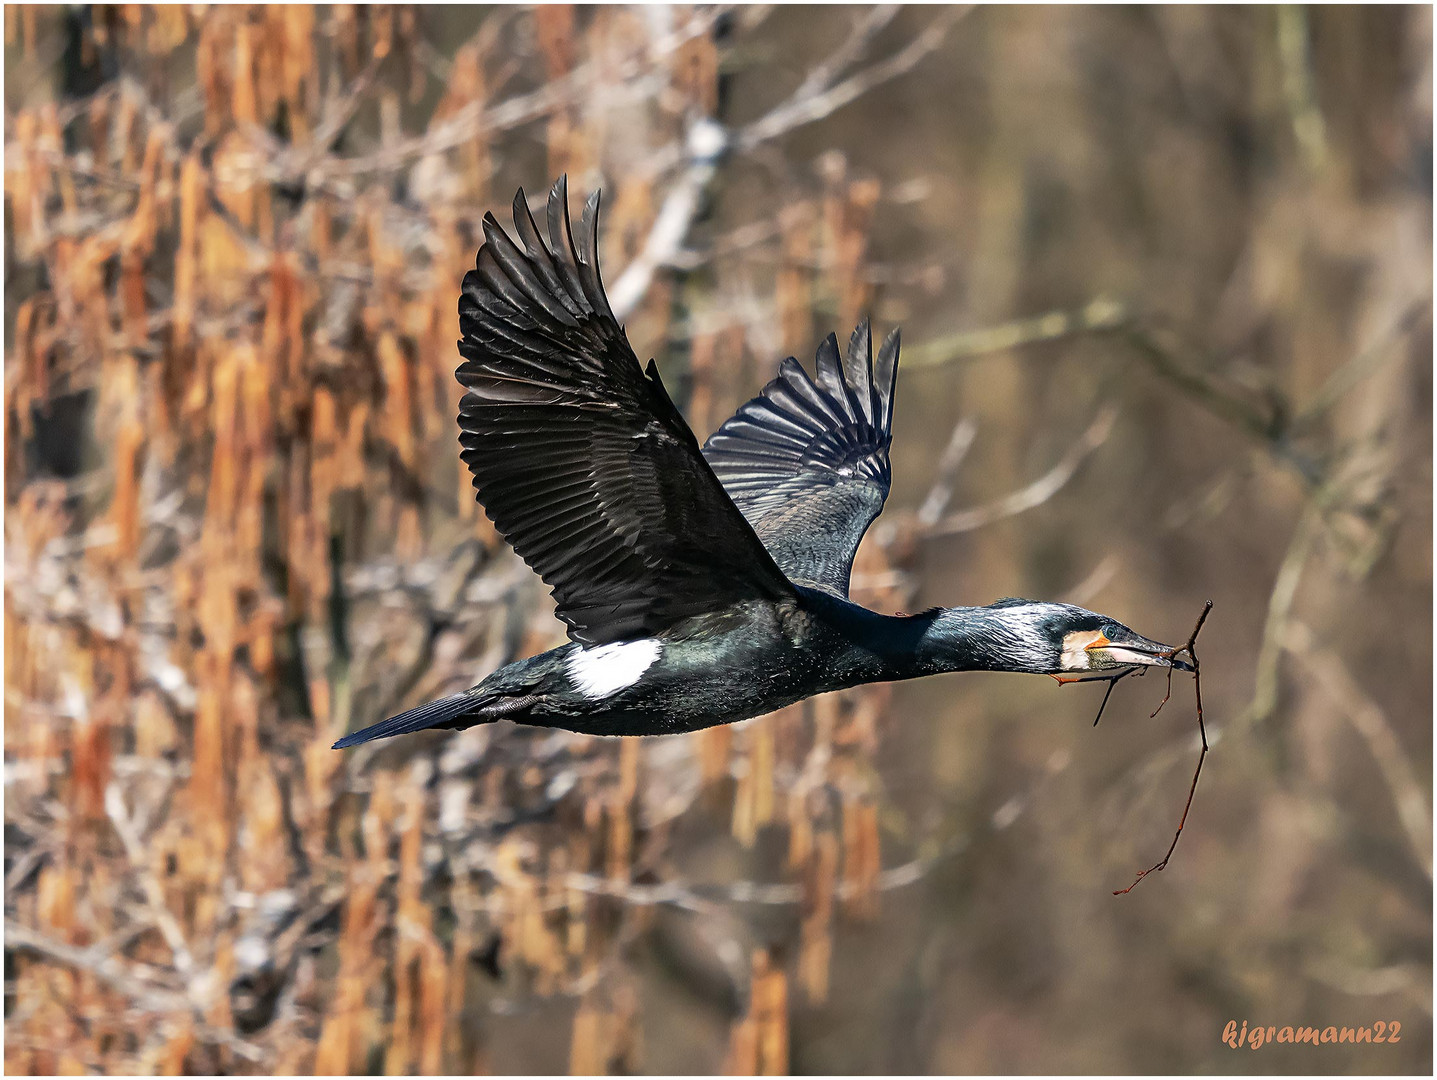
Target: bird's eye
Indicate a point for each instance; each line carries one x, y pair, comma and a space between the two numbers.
1112, 631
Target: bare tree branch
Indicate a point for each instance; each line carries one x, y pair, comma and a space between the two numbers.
111, 971
706, 140
1040, 490
646, 75
941, 490
869, 26
811, 103
1097, 315
1324, 665
1279, 606
154, 893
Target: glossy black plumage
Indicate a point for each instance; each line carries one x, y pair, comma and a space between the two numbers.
579, 456
807, 460
699, 587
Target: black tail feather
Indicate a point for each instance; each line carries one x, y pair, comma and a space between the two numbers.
459, 711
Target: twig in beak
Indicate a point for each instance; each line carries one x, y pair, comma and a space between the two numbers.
1170, 655
1112, 681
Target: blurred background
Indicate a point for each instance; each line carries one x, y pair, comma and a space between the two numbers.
1164, 277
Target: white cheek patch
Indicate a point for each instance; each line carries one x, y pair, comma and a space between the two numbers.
1075, 650
607, 669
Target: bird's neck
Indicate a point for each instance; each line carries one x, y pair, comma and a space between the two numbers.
972, 639
941, 640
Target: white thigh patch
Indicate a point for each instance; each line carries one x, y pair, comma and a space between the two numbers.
607, 669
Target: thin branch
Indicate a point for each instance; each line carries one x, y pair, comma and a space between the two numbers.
1371, 723
1295, 53
1097, 315
860, 37
1170, 655
154, 893
337, 114
1040, 490
110, 970
1197, 384
705, 142
1411, 979
1097, 580
641, 75
702, 899
807, 107
941, 490
1279, 606
1112, 681
1361, 365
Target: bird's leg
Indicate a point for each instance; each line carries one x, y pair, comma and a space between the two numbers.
1202, 731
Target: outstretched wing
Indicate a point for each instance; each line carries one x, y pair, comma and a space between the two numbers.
807, 461
579, 456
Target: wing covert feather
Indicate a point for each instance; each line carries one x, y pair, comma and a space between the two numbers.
807, 460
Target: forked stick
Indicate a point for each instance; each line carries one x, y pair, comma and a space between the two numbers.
1202, 730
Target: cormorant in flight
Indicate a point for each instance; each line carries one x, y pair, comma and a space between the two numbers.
700, 586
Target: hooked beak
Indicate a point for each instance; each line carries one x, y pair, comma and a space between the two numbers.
1132, 650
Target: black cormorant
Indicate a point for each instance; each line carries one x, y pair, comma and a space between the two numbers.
704, 586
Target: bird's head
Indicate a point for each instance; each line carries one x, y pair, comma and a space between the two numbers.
1064, 640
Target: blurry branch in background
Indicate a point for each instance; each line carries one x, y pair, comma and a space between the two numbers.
1099, 314
1279, 608
706, 141
102, 960
1331, 673
154, 892
138, 982
1040, 490
480, 118
1294, 48
822, 76
819, 96
1104, 315
1331, 492
945, 473
1096, 580
928, 521
1193, 379
1277, 424
297, 164
1281, 423
1411, 980
1363, 364
712, 899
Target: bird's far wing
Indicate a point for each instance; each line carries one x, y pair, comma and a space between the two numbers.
807, 460
579, 456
